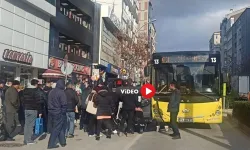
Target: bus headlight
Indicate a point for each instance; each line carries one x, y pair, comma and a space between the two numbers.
219, 107
218, 113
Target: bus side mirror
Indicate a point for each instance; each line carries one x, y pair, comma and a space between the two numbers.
146, 71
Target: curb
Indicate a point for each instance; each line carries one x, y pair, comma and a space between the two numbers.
243, 128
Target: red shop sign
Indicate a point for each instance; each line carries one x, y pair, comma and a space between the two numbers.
16, 56
57, 63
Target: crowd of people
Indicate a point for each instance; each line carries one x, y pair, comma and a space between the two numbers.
60, 106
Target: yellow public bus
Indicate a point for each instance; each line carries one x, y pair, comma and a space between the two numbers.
199, 78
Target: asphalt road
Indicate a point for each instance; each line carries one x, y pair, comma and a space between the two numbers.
194, 137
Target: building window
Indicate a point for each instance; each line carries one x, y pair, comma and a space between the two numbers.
53, 2
72, 47
145, 16
140, 5
73, 13
146, 6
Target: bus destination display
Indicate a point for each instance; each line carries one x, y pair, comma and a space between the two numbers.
183, 58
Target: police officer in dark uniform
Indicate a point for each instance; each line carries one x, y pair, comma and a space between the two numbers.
130, 102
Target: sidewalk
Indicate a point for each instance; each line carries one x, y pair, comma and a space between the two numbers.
81, 141
245, 129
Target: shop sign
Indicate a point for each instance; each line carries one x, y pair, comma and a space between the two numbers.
56, 64
16, 56
123, 71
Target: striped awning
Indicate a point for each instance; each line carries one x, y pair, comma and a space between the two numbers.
50, 73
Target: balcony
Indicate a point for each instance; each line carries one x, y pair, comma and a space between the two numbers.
75, 14
46, 6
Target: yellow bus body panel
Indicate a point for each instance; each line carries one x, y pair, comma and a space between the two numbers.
210, 112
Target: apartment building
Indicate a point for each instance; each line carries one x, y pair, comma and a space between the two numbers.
146, 26
226, 39
114, 16
214, 42
237, 47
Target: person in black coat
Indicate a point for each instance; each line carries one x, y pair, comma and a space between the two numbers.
48, 120
104, 103
32, 102
72, 101
57, 107
129, 103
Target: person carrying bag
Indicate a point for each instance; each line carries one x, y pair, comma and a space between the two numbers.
90, 104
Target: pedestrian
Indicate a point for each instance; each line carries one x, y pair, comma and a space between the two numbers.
3, 89
12, 104
129, 104
104, 103
84, 114
57, 107
32, 102
173, 108
21, 114
72, 101
48, 120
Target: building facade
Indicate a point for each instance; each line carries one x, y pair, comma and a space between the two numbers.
71, 37
24, 47
115, 16
226, 40
214, 42
236, 32
146, 26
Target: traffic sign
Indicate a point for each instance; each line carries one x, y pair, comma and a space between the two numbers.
147, 91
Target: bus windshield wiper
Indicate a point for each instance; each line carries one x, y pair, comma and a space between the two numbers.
160, 92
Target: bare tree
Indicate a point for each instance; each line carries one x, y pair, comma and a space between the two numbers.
134, 51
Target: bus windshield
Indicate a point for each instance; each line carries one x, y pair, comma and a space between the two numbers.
196, 80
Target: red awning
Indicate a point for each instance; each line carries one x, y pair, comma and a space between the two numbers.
49, 73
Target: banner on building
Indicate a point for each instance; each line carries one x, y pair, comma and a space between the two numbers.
56, 64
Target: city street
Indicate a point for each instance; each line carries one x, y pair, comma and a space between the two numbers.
200, 137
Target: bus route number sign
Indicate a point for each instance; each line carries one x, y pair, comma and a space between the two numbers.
213, 59
156, 61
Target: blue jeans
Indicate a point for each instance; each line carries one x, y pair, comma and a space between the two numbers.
30, 119
70, 123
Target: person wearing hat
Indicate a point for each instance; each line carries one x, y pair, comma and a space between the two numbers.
12, 104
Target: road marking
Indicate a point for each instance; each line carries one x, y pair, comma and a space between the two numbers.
128, 146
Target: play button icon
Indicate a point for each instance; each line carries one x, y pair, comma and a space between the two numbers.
147, 91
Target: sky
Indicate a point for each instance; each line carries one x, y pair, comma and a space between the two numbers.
187, 25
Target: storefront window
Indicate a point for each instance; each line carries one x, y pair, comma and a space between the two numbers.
7, 73
72, 47
25, 76
70, 11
